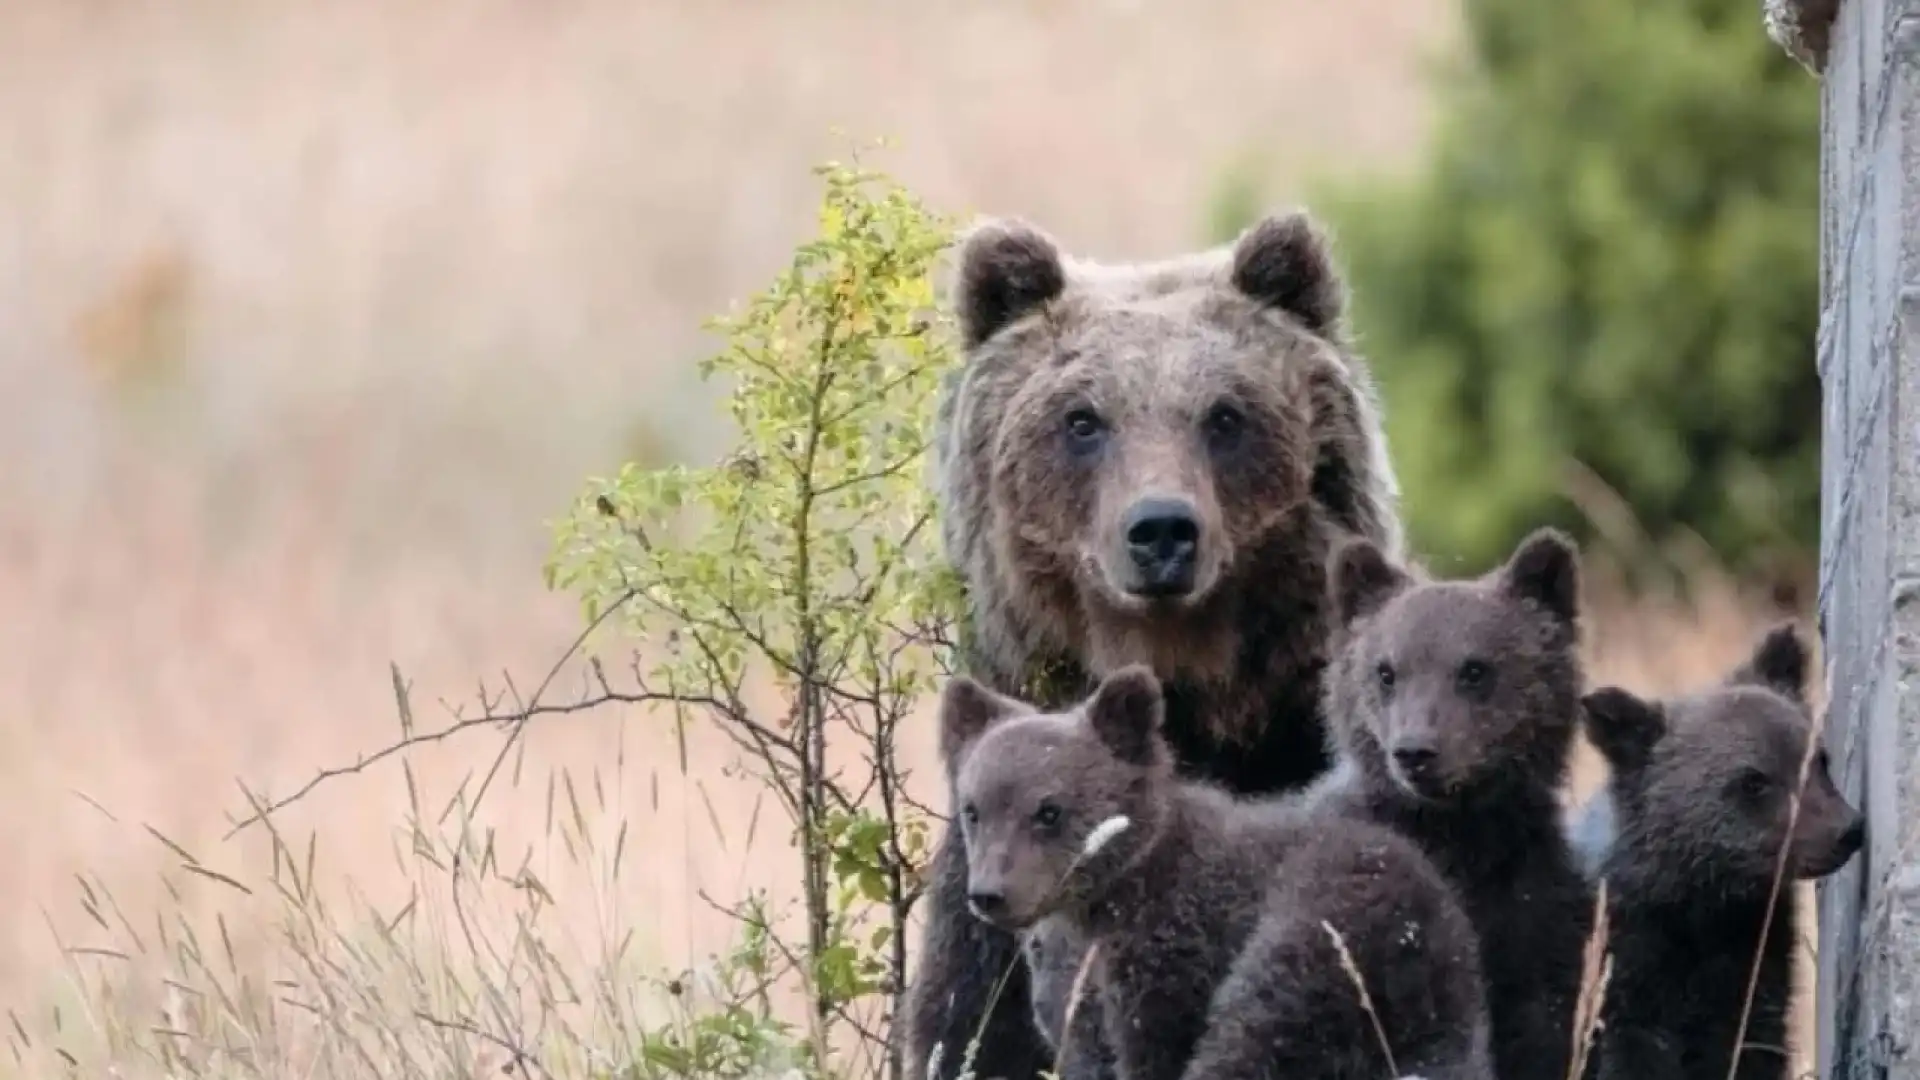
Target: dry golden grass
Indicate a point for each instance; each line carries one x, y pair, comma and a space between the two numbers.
312, 312
149, 676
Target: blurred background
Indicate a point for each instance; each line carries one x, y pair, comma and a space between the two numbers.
312, 315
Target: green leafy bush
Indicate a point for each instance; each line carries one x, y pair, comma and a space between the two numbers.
808, 559
1604, 276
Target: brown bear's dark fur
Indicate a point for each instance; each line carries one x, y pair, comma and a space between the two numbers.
1054, 952
1078, 818
1455, 705
1144, 463
1701, 787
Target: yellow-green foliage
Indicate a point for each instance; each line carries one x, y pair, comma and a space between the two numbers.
817, 531
809, 556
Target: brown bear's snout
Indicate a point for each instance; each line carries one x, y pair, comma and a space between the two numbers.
1162, 539
1854, 836
1837, 849
1830, 833
996, 887
987, 889
1415, 758
1423, 741
989, 904
1834, 847
1419, 766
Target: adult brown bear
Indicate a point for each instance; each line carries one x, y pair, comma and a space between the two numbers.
1143, 463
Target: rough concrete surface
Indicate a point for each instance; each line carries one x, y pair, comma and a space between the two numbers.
1868, 55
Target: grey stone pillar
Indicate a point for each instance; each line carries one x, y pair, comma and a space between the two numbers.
1867, 55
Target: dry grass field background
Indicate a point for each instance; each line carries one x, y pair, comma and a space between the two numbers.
311, 314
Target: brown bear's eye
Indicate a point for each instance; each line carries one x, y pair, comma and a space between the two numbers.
1047, 816
1223, 423
1084, 429
1754, 784
1474, 675
971, 815
1384, 672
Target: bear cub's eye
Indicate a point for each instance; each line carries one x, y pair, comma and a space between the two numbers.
1384, 672
1475, 675
970, 814
1755, 784
1047, 816
1224, 423
1084, 429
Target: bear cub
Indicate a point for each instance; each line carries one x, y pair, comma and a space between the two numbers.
1213, 919
1453, 706
1701, 793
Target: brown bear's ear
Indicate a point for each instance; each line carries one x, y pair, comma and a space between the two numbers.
1622, 726
1779, 663
1546, 570
1363, 580
1007, 268
1284, 261
967, 710
1125, 712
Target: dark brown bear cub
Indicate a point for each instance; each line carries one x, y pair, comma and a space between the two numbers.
1454, 705
1702, 789
1212, 920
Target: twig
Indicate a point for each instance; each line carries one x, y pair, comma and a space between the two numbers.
517, 719
1596, 970
1073, 1006
1366, 1000
521, 1056
520, 723
460, 726
1773, 898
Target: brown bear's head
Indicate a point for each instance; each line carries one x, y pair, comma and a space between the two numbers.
1136, 438
1053, 806
1449, 688
1703, 784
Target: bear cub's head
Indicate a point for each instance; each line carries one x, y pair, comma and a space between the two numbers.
1453, 687
1053, 806
1703, 784
1155, 427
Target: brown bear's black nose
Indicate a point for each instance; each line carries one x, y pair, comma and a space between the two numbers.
1162, 537
1414, 759
986, 903
1856, 834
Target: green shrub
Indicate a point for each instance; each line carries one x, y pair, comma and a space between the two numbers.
1605, 270
808, 558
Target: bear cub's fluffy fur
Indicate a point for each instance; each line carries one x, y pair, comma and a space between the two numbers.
1212, 919
1700, 793
1454, 705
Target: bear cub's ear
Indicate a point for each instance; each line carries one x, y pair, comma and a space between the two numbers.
1779, 663
1284, 261
1007, 268
1622, 726
1362, 580
967, 710
1125, 711
1546, 570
